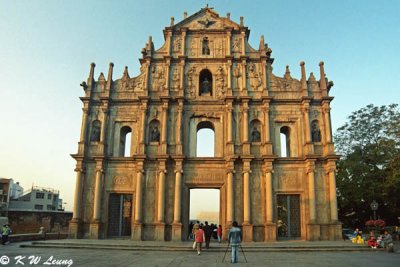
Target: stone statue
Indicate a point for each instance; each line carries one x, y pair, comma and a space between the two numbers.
205, 48
255, 135
95, 136
236, 45
155, 135
315, 132
205, 86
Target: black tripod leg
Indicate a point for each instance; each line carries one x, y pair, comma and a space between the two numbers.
244, 255
225, 253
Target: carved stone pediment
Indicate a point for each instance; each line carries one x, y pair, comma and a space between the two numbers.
206, 19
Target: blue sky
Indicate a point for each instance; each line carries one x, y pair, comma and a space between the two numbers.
46, 48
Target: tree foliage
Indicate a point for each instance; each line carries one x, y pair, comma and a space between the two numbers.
369, 168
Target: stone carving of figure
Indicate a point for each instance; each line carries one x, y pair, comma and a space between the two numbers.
236, 45
205, 86
155, 135
205, 47
315, 132
95, 136
177, 45
237, 74
255, 135
254, 76
158, 78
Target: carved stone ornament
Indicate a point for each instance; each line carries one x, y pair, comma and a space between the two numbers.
236, 46
158, 83
120, 180
175, 79
177, 45
220, 82
255, 76
191, 81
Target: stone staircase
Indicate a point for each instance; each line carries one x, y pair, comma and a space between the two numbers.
112, 244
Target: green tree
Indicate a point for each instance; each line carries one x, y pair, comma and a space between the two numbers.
369, 168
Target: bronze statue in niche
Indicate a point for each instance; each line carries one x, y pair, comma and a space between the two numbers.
315, 132
205, 47
255, 135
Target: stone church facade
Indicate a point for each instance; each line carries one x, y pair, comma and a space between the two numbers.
274, 161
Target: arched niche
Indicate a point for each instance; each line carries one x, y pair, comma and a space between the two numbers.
205, 83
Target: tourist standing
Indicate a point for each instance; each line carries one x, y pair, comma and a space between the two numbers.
199, 239
208, 232
219, 233
234, 239
5, 232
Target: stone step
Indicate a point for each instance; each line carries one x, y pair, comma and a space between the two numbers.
187, 247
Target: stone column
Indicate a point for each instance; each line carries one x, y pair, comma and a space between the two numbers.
267, 135
229, 122
95, 223
245, 110
245, 141
229, 77
332, 196
164, 128
81, 145
78, 195
181, 75
228, 43
167, 75
327, 122
247, 226
243, 36
161, 197
244, 79
182, 53
311, 193
97, 195
177, 227
143, 128
136, 233
75, 224
178, 196
264, 75
306, 110
269, 197
229, 198
246, 197
270, 226
306, 115
178, 129
138, 200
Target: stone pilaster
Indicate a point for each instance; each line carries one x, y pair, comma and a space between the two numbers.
177, 226
247, 226
75, 224
245, 128
164, 127
267, 150
142, 131
178, 129
95, 224
309, 148
270, 226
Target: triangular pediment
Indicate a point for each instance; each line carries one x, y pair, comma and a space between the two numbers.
206, 19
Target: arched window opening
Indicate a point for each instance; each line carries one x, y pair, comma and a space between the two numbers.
255, 131
205, 140
205, 82
154, 131
285, 141
125, 142
205, 49
95, 131
315, 131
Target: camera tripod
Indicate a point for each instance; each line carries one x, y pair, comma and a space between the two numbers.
244, 255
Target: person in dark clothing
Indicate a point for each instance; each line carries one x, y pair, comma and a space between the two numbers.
191, 230
207, 232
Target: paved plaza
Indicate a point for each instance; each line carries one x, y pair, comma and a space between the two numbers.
53, 256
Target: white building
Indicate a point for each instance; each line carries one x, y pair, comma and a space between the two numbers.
38, 198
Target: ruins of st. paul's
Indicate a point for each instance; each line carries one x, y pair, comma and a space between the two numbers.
274, 159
